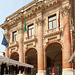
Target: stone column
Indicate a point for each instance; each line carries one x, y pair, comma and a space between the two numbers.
25, 60
20, 36
67, 70
73, 38
73, 68
6, 34
45, 62
40, 46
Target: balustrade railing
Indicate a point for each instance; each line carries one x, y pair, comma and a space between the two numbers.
54, 29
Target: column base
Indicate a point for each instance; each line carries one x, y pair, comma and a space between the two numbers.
41, 72
73, 71
67, 71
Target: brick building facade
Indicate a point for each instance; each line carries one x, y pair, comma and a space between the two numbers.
50, 42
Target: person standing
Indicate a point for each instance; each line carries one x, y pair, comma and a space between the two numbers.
50, 71
53, 72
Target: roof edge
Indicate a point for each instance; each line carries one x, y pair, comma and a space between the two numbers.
16, 12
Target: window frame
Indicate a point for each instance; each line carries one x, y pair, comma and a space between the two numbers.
14, 36
31, 33
52, 21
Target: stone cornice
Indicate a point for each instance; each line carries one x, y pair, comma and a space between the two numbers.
12, 21
32, 11
40, 7
15, 19
26, 6
4, 25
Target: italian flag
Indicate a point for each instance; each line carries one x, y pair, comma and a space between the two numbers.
59, 19
25, 29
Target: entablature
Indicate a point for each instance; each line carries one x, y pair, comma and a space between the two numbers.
28, 12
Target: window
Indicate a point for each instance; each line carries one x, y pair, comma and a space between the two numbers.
30, 30
52, 22
15, 36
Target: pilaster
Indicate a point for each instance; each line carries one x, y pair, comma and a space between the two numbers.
6, 34
20, 33
67, 69
39, 22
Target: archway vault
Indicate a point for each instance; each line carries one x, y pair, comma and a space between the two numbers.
53, 56
53, 42
26, 51
31, 56
15, 56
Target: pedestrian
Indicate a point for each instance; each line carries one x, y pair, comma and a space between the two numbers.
53, 72
50, 71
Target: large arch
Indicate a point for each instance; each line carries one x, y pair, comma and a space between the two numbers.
53, 43
31, 56
53, 57
14, 56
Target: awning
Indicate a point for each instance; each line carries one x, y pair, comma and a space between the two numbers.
72, 58
14, 62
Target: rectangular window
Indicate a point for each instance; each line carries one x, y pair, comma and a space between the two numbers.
31, 30
15, 36
52, 22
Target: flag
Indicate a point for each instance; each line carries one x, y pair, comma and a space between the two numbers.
59, 19
25, 29
4, 42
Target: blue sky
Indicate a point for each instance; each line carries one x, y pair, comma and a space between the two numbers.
8, 7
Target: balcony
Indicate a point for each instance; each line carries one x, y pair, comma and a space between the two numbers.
30, 42
53, 31
30, 39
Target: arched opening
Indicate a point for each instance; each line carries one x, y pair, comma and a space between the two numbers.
54, 59
15, 56
31, 58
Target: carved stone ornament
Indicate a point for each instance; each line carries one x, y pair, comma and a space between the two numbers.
39, 21
65, 11
7, 36
20, 30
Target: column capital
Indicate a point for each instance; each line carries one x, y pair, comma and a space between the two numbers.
39, 21
65, 11
20, 27
7, 36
